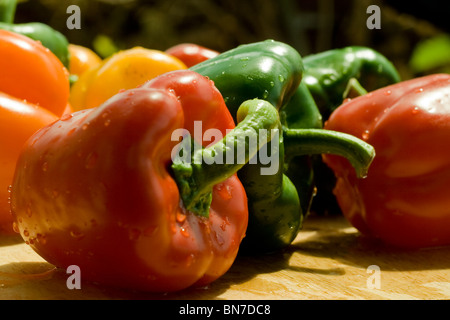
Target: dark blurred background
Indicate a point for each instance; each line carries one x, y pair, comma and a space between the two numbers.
414, 35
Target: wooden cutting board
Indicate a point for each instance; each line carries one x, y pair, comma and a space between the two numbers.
328, 260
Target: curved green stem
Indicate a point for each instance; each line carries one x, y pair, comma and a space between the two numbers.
320, 141
7, 10
354, 89
197, 174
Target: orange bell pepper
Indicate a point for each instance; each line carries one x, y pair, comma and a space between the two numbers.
31, 72
82, 59
124, 70
34, 92
18, 121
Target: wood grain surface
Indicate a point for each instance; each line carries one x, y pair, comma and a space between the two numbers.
329, 260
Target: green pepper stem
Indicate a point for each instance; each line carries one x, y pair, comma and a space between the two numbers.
299, 142
7, 10
353, 89
206, 167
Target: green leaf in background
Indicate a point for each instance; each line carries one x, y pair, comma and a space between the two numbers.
431, 54
104, 46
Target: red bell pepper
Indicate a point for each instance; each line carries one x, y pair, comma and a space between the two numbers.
191, 54
99, 189
404, 200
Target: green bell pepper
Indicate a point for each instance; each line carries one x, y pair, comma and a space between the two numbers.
272, 71
333, 75
269, 69
50, 38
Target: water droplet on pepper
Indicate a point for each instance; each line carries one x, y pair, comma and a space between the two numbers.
149, 231
224, 192
365, 135
29, 211
76, 234
71, 131
66, 117
184, 232
219, 238
91, 160
134, 234
190, 259
181, 217
42, 239
15, 227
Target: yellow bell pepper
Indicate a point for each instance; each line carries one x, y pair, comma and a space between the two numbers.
124, 70
82, 59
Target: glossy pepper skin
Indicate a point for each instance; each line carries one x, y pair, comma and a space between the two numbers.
81, 60
404, 199
106, 192
123, 70
34, 91
267, 69
18, 121
50, 38
272, 71
32, 73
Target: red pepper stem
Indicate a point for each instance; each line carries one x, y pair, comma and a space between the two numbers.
299, 142
197, 175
